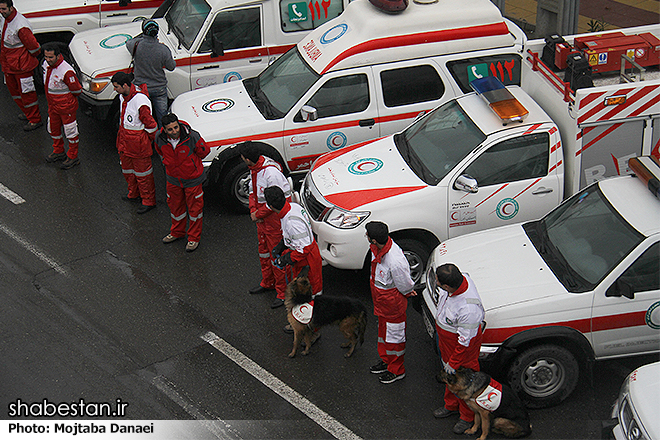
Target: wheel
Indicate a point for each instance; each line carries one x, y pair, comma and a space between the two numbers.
544, 375
417, 255
429, 320
235, 188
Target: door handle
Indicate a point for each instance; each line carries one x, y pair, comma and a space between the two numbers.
367, 122
255, 60
119, 14
542, 190
214, 66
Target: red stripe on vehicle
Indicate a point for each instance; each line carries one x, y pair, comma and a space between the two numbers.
555, 147
489, 30
234, 55
107, 7
484, 200
352, 199
533, 183
598, 138
629, 102
553, 130
601, 106
327, 157
555, 166
646, 106
590, 98
531, 129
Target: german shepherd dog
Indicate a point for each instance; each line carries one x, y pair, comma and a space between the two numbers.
348, 313
509, 418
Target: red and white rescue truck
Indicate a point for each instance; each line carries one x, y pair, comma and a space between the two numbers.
580, 284
462, 168
366, 74
212, 42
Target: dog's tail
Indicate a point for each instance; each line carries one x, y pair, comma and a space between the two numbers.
362, 325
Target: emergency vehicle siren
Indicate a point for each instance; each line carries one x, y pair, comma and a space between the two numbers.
499, 99
647, 168
390, 5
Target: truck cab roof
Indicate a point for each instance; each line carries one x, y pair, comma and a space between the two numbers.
635, 203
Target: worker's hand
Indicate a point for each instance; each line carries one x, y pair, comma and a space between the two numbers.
448, 368
253, 216
283, 260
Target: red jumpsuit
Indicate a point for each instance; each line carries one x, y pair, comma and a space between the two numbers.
137, 129
62, 89
184, 172
267, 172
18, 59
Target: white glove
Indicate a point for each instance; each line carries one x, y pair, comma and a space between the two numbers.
448, 368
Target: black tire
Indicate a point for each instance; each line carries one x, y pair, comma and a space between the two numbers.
544, 375
417, 254
235, 186
428, 320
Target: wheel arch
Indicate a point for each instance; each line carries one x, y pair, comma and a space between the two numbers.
423, 236
223, 161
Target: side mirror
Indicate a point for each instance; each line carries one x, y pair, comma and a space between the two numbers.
466, 183
217, 46
309, 113
620, 288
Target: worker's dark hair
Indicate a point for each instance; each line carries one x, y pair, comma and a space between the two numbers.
249, 151
51, 46
167, 119
275, 197
378, 231
450, 275
121, 78
9, 3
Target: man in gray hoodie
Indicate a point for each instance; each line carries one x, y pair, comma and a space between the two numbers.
150, 57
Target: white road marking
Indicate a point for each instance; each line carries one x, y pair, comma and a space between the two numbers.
34, 250
320, 417
11, 195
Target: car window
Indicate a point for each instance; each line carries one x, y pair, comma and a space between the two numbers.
409, 85
186, 18
296, 15
644, 274
236, 29
504, 67
341, 96
520, 158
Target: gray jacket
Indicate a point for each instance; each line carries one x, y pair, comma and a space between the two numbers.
150, 58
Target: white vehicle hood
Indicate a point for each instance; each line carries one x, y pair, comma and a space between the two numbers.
644, 385
363, 174
504, 265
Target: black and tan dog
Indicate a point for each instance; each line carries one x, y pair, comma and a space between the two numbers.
495, 405
349, 314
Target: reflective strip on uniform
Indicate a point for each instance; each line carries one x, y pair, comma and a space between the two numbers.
133, 129
395, 353
33, 51
199, 195
8, 45
32, 104
145, 173
58, 92
151, 130
264, 255
128, 171
178, 217
383, 286
56, 137
193, 219
15, 97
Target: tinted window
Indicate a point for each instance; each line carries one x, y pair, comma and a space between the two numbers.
505, 67
297, 15
410, 85
236, 29
340, 96
644, 274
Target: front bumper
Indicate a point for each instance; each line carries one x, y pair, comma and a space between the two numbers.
341, 248
96, 108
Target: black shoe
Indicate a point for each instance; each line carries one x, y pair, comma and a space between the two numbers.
389, 377
22, 117
32, 126
379, 368
69, 163
277, 303
461, 426
259, 289
137, 199
55, 157
443, 412
288, 329
145, 208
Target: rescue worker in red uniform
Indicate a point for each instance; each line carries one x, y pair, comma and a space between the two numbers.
458, 325
62, 90
137, 130
18, 59
390, 284
182, 149
265, 172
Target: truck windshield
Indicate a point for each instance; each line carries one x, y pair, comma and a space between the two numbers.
185, 18
281, 85
436, 143
583, 239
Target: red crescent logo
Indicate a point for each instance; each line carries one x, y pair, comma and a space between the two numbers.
360, 166
337, 141
453, 216
504, 208
491, 395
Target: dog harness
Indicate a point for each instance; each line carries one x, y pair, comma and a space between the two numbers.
491, 398
303, 312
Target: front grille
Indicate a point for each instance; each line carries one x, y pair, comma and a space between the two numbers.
312, 200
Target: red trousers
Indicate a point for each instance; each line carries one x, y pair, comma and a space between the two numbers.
392, 342
21, 88
271, 276
56, 121
312, 258
140, 178
186, 202
447, 343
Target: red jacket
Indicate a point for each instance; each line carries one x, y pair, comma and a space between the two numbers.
62, 86
183, 163
137, 128
19, 46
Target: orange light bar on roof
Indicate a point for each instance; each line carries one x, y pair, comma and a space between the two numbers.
499, 99
647, 169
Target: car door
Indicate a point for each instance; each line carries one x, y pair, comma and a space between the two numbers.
516, 182
346, 114
626, 312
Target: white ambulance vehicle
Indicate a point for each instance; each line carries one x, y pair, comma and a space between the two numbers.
212, 42
415, 181
363, 75
580, 284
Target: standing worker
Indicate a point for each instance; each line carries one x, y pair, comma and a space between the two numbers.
182, 149
18, 59
62, 89
390, 284
458, 325
150, 57
265, 172
137, 129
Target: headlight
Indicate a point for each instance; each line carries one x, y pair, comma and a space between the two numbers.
345, 219
94, 85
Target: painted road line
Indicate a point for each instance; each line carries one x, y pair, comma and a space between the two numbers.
11, 195
34, 250
320, 417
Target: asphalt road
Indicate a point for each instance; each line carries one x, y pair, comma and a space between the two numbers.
93, 306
